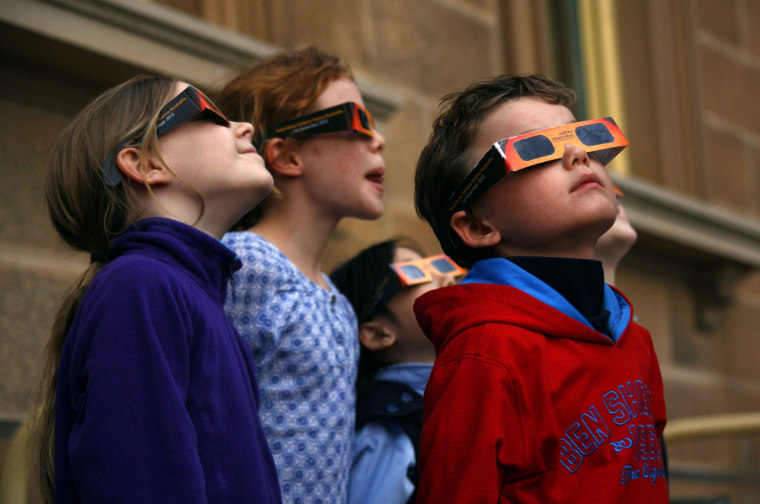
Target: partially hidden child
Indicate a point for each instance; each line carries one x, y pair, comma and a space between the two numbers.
382, 282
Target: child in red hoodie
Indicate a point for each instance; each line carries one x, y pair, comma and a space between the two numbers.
544, 389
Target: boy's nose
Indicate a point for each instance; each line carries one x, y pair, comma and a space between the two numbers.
575, 154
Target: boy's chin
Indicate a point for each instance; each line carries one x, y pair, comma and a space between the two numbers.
604, 211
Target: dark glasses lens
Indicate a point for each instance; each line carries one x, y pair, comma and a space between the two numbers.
594, 134
413, 272
534, 147
363, 119
443, 265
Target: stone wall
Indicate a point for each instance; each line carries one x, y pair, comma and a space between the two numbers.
691, 71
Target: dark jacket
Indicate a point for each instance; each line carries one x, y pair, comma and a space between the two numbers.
156, 397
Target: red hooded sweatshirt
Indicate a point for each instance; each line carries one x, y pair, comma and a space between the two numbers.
526, 404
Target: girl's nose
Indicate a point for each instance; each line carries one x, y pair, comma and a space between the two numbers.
377, 142
243, 129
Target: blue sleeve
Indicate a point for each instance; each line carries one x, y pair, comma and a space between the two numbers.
126, 376
254, 304
383, 454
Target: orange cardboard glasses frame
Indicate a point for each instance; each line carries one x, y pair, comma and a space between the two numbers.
189, 105
601, 139
421, 271
409, 273
349, 116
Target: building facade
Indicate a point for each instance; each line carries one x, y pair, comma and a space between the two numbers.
680, 77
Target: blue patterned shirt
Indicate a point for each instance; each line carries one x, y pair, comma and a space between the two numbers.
305, 346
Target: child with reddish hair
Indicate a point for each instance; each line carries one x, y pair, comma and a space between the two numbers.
319, 143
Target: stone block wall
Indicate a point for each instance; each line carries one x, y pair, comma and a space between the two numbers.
691, 76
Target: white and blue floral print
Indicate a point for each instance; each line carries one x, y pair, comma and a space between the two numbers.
305, 344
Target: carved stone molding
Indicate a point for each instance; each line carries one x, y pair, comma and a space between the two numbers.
157, 38
716, 248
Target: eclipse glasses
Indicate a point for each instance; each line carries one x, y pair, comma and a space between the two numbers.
409, 273
420, 271
189, 105
349, 116
601, 139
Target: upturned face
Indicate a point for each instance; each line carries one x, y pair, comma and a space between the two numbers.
559, 208
220, 163
412, 341
344, 171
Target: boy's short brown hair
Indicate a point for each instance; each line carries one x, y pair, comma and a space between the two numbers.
446, 158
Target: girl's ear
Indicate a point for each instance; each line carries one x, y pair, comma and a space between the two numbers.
376, 336
281, 158
128, 161
474, 231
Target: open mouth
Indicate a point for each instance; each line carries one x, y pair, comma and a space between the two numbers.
376, 178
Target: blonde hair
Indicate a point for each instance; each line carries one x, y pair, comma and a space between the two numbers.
89, 214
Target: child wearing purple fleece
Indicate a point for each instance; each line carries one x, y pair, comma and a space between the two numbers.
149, 393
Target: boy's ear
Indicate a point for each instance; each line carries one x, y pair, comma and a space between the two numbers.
376, 336
473, 231
128, 161
281, 158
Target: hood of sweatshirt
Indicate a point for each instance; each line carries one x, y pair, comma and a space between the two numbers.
498, 291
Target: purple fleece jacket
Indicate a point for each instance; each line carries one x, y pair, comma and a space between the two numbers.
157, 399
